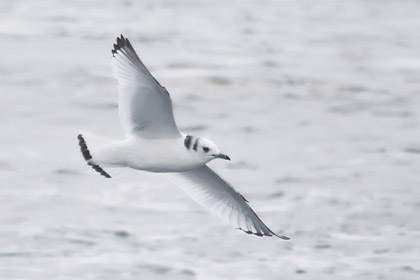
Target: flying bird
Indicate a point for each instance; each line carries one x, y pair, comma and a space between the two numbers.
154, 143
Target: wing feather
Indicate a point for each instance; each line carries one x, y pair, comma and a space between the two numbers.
211, 191
145, 106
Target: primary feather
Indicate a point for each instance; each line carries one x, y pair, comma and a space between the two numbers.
211, 191
145, 106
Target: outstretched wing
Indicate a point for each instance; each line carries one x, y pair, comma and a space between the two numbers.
211, 191
144, 105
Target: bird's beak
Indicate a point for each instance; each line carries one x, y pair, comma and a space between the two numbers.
222, 156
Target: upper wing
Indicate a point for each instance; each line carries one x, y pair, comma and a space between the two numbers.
144, 105
211, 191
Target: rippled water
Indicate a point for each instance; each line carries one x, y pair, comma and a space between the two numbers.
315, 102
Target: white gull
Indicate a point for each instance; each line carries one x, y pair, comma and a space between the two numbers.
154, 143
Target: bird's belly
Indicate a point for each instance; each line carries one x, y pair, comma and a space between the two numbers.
164, 157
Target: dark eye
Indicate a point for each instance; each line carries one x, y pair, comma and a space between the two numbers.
206, 149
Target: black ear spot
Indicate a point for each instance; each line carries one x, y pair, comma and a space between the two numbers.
206, 149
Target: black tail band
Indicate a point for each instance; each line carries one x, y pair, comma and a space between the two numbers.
87, 156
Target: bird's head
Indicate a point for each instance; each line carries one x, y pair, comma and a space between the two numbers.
204, 148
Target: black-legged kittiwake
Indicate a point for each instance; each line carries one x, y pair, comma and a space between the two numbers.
154, 143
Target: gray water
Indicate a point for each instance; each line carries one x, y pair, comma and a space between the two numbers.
316, 102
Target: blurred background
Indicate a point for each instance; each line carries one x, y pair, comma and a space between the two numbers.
316, 102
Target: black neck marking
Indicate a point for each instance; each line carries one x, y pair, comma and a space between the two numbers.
187, 141
196, 144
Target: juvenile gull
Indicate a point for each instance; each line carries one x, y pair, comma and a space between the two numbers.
154, 143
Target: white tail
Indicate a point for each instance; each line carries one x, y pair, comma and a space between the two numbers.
92, 151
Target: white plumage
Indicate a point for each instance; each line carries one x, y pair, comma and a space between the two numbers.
155, 144
144, 105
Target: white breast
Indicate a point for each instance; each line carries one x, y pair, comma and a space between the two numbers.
160, 155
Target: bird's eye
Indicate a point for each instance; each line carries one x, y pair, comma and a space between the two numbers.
206, 149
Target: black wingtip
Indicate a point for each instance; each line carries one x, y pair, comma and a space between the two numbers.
280, 236
128, 50
261, 234
118, 46
283, 237
129, 44
122, 42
